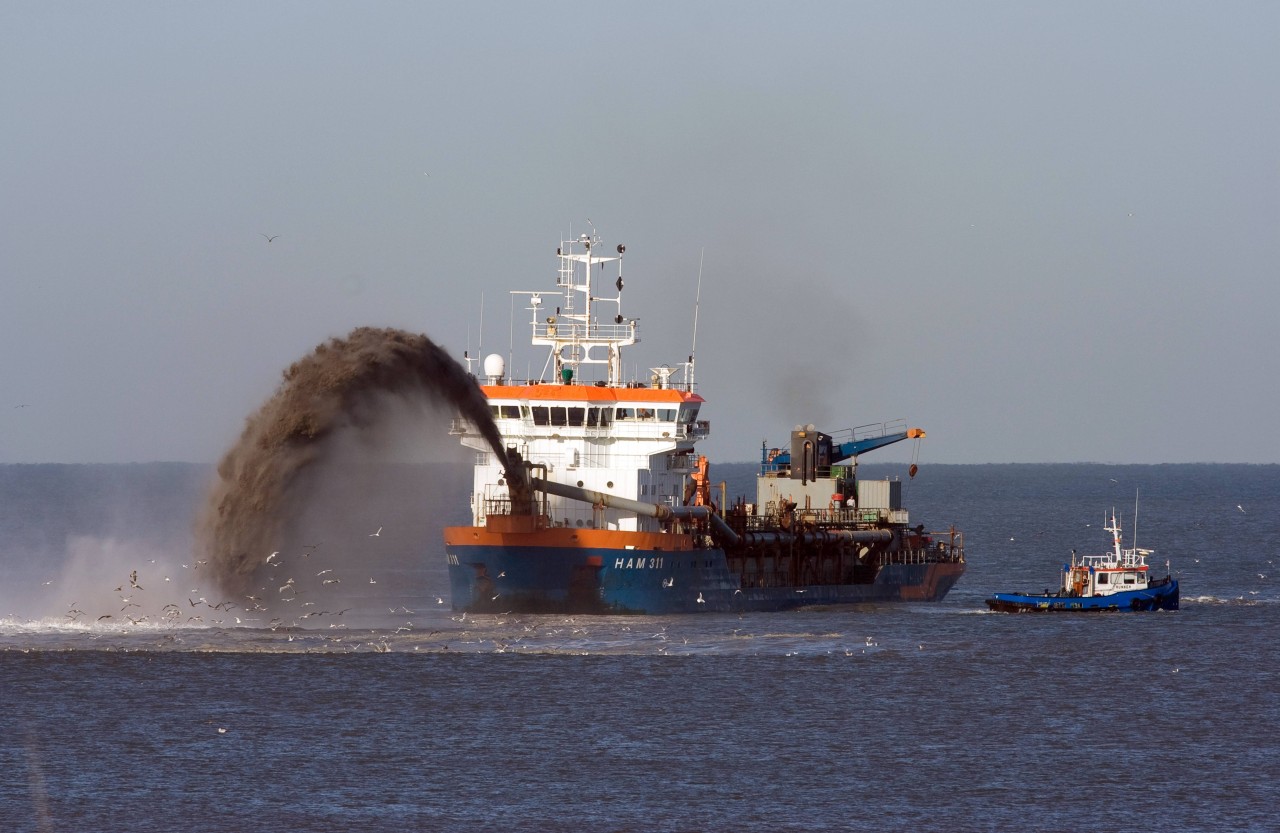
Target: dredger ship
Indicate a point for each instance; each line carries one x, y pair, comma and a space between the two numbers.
603, 505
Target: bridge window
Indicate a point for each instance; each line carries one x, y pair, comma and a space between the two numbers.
667, 415
541, 415
688, 413
576, 415
1103, 578
625, 413
598, 416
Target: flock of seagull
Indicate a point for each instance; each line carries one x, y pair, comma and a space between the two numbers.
199, 611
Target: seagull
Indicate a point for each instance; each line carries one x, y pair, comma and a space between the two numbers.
1241, 508
270, 238
322, 572
376, 534
701, 600
439, 600
273, 555
372, 581
221, 730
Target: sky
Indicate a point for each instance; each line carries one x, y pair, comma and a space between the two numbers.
1041, 232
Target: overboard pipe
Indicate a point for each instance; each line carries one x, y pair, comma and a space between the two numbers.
649, 510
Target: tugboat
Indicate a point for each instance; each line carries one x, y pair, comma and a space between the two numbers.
589, 497
1115, 581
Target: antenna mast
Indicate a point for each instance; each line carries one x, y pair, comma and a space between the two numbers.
697, 302
1135, 522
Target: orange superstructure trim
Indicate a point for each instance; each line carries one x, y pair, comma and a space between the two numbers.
588, 393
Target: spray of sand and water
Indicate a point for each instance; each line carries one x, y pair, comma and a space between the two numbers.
262, 482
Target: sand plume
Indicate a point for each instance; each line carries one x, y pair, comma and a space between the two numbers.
262, 480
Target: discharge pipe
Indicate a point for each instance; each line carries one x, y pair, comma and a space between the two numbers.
649, 510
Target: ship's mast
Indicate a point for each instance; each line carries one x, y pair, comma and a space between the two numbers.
575, 337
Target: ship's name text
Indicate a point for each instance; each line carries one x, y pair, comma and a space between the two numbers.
652, 563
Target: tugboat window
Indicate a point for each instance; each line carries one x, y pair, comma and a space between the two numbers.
1102, 578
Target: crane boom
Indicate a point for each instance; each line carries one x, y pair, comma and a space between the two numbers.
853, 448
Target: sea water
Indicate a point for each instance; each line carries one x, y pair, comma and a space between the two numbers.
399, 713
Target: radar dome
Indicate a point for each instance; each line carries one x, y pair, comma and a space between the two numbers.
494, 367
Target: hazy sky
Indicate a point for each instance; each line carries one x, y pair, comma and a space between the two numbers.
1044, 232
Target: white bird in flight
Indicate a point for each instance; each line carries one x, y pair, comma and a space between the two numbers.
269, 238
376, 534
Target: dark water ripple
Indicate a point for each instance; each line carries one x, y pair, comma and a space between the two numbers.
933, 717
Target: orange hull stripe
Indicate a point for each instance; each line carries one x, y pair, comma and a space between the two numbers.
565, 537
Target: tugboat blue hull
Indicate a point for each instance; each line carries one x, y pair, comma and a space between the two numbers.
1162, 596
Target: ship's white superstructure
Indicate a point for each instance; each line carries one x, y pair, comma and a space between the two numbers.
579, 422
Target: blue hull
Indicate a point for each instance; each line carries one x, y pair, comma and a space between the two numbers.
1163, 596
525, 579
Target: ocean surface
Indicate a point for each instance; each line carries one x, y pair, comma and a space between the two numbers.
135, 697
